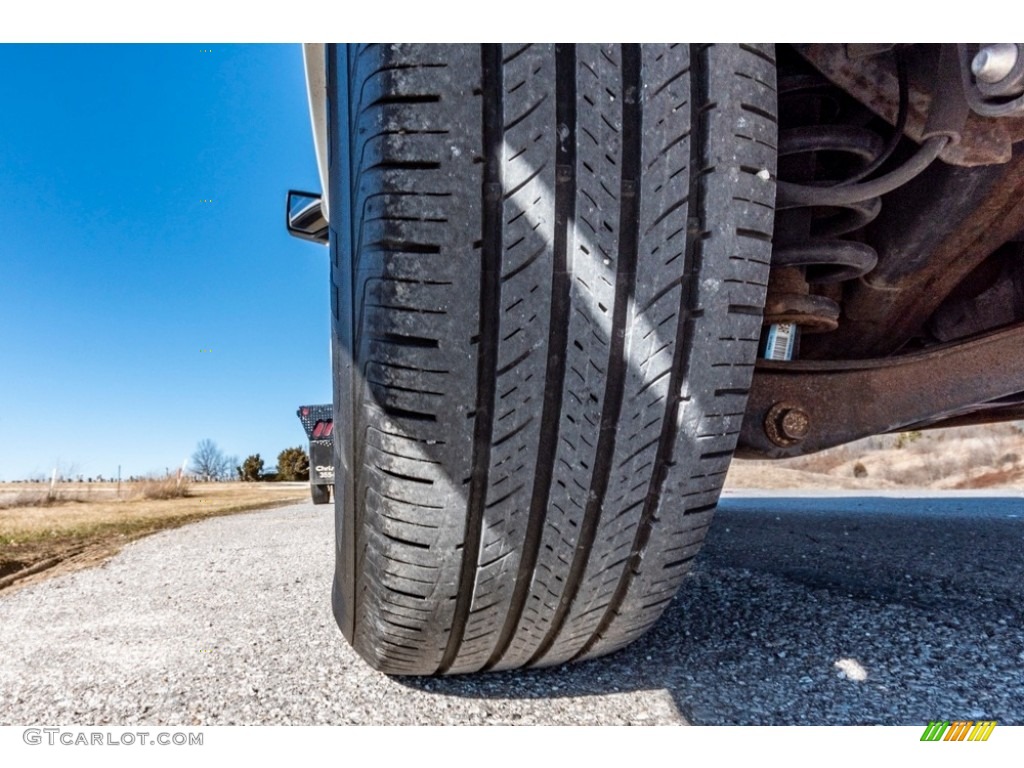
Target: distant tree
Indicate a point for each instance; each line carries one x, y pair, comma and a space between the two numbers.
210, 463
293, 464
251, 469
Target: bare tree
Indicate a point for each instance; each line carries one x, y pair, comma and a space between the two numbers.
209, 461
66, 471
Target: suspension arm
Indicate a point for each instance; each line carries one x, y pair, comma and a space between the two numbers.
805, 406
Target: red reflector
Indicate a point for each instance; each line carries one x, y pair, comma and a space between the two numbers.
329, 428
318, 428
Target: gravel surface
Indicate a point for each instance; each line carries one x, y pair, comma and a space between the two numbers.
842, 610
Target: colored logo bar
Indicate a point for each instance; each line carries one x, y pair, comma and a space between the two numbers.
958, 730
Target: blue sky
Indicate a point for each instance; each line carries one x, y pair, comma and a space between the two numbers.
116, 277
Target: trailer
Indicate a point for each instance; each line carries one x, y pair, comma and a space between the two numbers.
318, 421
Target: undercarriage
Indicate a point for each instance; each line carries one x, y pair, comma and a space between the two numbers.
896, 291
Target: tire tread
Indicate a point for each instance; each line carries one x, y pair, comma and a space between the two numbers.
559, 257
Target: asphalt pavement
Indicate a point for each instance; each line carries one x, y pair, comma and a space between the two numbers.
845, 609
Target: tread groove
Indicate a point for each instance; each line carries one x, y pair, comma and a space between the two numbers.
490, 295
618, 361
680, 366
565, 195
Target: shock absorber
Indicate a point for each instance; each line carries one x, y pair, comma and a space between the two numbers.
811, 257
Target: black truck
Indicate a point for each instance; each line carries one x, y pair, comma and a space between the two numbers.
318, 421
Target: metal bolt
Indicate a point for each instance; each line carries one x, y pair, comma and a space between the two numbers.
994, 62
786, 424
795, 424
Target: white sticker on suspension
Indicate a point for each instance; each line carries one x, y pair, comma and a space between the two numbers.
781, 339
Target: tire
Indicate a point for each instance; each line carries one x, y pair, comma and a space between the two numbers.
549, 268
321, 493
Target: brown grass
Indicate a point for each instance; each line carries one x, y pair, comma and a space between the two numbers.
154, 488
39, 526
969, 457
169, 487
144, 504
28, 499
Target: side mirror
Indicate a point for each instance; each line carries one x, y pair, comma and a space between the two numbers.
304, 216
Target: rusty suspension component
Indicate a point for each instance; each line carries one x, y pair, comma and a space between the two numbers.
932, 231
805, 406
932, 234
872, 79
810, 248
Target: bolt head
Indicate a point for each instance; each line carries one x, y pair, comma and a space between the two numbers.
786, 424
994, 62
795, 424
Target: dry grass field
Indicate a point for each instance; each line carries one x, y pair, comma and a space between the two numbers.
941, 459
81, 523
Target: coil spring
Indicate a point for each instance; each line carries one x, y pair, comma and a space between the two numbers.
809, 245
